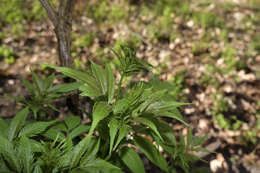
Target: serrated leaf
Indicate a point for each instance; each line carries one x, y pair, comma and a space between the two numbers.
148, 123
132, 160
17, 123
99, 75
151, 99
9, 154
79, 130
174, 116
113, 128
151, 152
90, 91
110, 83
101, 165
26, 154
163, 106
75, 74
72, 121
63, 88
36, 128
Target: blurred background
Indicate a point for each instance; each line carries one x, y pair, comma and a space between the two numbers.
207, 52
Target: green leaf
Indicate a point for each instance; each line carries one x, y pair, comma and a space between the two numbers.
163, 106
26, 154
78, 151
151, 152
151, 99
75, 74
36, 128
148, 123
61, 126
113, 128
92, 151
36, 146
175, 115
17, 123
99, 75
100, 111
123, 131
166, 132
199, 140
72, 121
63, 88
121, 105
132, 160
48, 81
30, 88
53, 134
110, 83
3, 127
189, 137
101, 165
38, 81
37, 169
89, 91
79, 130
9, 154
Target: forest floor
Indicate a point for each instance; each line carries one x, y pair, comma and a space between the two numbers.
209, 52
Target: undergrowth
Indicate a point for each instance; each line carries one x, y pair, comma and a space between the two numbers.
125, 120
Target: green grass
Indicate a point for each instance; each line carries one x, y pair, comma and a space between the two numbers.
207, 19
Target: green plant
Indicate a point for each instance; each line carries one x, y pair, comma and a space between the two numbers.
42, 93
21, 151
127, 115
124, 117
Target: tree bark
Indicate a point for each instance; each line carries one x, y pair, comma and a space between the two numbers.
62, 22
